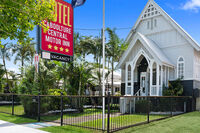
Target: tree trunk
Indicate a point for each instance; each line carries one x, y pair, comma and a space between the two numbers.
4, 63
112, 76
32, 60
22, 67
108, 74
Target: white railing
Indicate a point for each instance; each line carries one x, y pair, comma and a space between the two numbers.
138, 93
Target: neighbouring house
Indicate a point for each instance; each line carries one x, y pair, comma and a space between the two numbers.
96, 90
159, 51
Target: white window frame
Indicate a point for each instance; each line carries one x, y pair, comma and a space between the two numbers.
179, 62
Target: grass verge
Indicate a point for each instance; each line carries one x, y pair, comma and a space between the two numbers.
186, 123
68, 129
15, 119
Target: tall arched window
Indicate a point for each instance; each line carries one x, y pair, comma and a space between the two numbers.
129, 72
180, 67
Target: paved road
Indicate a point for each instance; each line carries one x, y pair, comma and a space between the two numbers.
7, 127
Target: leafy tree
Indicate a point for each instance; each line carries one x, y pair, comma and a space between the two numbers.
5, 53
17, 17
47, 79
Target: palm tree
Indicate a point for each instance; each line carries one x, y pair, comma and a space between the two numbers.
2, 72
116, 48
63, 73
5, 53
47, 80
32, 51
24, 51
13, 81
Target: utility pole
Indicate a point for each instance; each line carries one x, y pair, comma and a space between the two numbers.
103, 87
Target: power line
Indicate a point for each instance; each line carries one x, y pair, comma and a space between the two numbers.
88, 29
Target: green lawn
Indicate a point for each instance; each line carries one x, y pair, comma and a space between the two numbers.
122, 120
68, 129
86, 112
15, 119
18, 109
186, 123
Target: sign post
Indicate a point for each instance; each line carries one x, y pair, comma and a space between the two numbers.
57, 42
36, 61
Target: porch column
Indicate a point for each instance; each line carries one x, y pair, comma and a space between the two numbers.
157, 77
132, 78
165, 75
126, 78
161, 78
151, 77
168, 77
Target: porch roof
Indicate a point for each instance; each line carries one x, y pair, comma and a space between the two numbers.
151, 46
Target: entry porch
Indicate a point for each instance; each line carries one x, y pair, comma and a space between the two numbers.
147, 70
145, 76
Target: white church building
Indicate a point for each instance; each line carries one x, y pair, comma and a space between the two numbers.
159, 51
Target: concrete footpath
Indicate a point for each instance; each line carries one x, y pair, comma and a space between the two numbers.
7, 127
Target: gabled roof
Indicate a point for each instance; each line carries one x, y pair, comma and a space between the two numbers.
170, 20
150, 45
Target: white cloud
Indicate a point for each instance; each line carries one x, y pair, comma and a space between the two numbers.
192, 5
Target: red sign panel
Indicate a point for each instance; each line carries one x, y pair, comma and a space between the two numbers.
59, 37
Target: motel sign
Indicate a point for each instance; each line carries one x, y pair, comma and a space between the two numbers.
58, 40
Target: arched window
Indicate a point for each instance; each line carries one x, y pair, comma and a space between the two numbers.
129, 72
180, 67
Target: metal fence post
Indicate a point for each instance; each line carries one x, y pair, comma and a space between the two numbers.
171, 107
148, 109
61, 107
12, 104
108, 116
39, 108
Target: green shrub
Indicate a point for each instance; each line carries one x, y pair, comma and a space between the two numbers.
31, 106
175, 89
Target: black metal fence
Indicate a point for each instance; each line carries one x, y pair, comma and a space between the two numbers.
86, 111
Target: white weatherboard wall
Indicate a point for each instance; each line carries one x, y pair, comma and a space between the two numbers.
134, 51
196, 65
123, 75
156, 27
171, 42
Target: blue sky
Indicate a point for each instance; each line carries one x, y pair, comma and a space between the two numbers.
124, 13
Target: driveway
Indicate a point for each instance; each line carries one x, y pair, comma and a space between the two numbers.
7, 127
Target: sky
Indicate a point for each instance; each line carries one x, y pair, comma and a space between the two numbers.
122, 14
